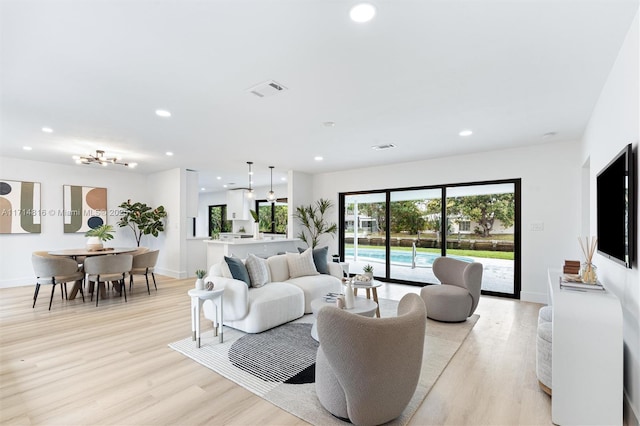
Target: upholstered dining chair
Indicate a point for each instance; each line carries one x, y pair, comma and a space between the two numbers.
367, 369
143, 264
105, 268
54, 270
457, 297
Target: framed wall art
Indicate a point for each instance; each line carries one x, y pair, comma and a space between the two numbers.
85, 208
20, 207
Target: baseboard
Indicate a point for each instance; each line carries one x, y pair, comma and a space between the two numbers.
171, 273
18, 282
526, 296
629, 416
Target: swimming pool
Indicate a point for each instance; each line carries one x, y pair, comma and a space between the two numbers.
399, 257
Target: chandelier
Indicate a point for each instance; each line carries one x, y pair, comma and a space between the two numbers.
271, 196
250, 193
101, 159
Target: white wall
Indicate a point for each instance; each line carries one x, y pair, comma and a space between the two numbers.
615, 123
300, 194
15, 249
550, 176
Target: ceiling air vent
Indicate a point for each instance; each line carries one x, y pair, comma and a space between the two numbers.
268, 88
383, 147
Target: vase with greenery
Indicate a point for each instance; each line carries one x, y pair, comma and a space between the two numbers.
256, 224
200, 273
314, 223
368, 270
142, 219
98, 235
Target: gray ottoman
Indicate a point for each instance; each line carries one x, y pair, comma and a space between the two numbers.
543, 349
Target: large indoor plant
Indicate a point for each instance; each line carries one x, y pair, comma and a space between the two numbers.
314, 223
142, 219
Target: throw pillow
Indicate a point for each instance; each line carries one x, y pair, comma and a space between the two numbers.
258, 270
301, 264
320, 259
238, 270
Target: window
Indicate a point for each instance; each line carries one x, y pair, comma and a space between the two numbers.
401, 231
273, 216
218, 219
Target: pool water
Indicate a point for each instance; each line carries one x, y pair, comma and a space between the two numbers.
403, 258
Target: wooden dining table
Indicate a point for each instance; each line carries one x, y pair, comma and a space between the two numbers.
83, 252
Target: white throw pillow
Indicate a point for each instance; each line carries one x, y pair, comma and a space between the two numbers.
258, 270
224, 270
301, 264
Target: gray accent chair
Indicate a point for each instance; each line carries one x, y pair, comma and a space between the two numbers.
54, 270
457, 297
143, 264
105, 268
367, 369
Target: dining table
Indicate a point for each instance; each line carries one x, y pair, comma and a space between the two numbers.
75, 253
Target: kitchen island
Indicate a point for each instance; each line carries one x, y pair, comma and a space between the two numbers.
241, 247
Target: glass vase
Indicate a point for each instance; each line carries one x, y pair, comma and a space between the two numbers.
588, 273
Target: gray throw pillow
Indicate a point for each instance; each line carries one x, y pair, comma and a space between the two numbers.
238, 270
319, 258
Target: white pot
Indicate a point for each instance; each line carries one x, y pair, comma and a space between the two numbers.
200, 284
94, 243
256, 231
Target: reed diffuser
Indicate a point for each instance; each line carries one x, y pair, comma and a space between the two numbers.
588, 269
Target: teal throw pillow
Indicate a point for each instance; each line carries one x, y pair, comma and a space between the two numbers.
238, 270
319, 258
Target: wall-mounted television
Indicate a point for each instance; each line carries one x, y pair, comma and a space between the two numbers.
615, 208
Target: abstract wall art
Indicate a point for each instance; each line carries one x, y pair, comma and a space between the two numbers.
85, 208
20, 207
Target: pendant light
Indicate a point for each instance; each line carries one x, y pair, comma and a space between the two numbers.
250, 193
271, 196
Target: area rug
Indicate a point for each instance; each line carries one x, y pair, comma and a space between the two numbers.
279, 364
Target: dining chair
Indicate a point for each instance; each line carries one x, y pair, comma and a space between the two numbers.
105, 268
143, 264
54, 270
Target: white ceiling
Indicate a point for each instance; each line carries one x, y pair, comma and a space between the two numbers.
415, 76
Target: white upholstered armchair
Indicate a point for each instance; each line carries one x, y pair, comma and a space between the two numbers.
457, 297
367, 369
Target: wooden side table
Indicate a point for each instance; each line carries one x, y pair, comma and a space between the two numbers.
197, 298
371, 287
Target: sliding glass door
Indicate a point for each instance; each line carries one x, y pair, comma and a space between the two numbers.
401, 231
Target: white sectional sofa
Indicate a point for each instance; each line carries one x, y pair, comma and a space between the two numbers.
284, 291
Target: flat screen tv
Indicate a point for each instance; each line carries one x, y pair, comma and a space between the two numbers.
615, 208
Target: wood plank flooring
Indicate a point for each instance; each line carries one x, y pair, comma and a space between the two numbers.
110, 365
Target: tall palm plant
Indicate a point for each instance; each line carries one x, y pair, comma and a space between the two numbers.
312, 218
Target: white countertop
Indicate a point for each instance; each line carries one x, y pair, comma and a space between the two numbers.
243, 241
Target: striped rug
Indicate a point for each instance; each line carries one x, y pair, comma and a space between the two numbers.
251, 361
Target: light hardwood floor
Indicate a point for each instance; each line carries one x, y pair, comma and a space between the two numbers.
78, 364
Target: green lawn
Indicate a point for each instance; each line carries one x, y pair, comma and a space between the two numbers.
487, 254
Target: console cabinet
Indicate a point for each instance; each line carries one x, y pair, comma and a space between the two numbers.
587, 362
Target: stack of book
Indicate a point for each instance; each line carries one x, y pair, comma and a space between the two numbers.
579, 286
571, 267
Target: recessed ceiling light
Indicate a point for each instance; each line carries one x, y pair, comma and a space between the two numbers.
466, 133
47, 129
27, 148
218, 177
163, 113
382, 147
132, 165
202, 189
318, 158
549, 135
329, 124
225, 185
169, 153
283, 179
363, 12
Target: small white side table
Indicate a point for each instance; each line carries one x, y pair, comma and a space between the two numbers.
197, 298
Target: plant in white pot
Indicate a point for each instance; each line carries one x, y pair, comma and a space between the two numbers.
256, 224
97, 236
200, 273
368, 270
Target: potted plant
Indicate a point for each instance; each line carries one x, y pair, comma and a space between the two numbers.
142, 219
97, 236
312, 218
256, 224
200, 273
368, 270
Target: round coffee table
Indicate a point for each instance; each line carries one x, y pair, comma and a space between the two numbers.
364, 307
